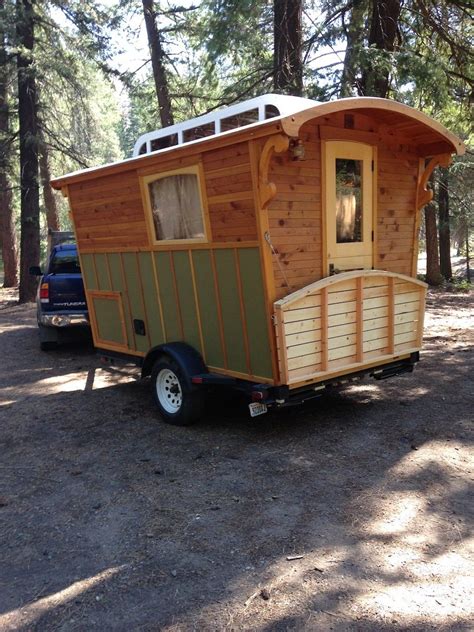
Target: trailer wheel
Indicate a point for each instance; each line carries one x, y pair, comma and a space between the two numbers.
178, 403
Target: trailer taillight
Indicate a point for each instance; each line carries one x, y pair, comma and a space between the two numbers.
44, 293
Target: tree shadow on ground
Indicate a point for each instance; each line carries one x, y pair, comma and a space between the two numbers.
113, 520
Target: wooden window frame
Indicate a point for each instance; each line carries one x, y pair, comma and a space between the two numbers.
196, 170
325, 144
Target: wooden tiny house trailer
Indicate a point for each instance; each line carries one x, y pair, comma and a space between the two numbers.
276, 238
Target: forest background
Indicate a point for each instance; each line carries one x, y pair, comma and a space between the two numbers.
80, 80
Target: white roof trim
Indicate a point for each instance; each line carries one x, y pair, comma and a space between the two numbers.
287, 105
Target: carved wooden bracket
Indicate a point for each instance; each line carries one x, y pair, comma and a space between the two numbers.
425, 195
267, 190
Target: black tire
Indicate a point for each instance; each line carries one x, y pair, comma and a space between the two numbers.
48, 345
178, 402
48, 338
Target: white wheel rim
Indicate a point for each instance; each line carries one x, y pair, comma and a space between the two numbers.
168, 390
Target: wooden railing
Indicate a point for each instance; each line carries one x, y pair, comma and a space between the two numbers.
347, 321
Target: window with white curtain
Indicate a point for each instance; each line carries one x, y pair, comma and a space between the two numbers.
177, 208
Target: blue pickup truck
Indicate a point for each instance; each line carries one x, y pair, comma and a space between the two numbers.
61, 302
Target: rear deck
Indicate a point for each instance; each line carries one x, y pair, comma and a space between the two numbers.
348, 322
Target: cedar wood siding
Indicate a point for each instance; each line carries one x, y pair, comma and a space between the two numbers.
295, 213
396, 216
212, 298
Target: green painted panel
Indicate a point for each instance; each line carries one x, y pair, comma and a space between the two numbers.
230, 307
102, 272
208, 308
118, 286
254, 307
187, 303
87, 268
134, 288
168, 296
150, 296
107, 314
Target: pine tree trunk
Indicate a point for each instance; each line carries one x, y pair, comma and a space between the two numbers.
433, 275
157, 62
287, 47
382, 36
468, 254
7, 227
354, 40
28, 124
444, 228
52, 215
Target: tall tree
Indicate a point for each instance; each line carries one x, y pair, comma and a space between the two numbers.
157, 61
354, 33
51, 208
287, 43
444, 225
28, 127
384, 28
7, 235
433, 275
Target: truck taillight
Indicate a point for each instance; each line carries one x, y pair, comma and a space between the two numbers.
44, 293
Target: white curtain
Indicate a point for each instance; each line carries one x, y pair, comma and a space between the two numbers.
176, 205
346, 213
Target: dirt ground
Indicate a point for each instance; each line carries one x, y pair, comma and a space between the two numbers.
354, 513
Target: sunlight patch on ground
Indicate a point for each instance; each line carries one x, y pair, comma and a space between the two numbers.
404, 510
10, 327
81, 381
78, 381
28, 614
429, 598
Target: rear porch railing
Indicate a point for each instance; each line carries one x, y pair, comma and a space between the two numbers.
348, 321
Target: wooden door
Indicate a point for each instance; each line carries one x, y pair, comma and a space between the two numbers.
349, 202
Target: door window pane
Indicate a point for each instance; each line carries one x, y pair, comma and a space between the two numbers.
348, 200
176, 206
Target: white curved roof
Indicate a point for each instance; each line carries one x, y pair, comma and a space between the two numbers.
283, 105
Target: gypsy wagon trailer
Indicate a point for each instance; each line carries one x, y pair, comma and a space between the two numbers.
271, 245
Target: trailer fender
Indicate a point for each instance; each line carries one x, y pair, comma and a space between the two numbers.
187, 358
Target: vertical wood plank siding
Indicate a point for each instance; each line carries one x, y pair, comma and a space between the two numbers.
172, 297
254, 306
184, 286
150, 295
134, 290
169, 300
205, 288
118, 285
230, 308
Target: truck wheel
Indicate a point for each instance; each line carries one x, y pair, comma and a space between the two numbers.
179, 403
48, 346
48, 339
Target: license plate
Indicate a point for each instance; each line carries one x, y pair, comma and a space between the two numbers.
257, 408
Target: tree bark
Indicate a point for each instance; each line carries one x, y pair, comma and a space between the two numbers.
382, 36
157, 61
444, 227
287, 47
433, 275
28, 124
7, 225
52, 215
354, 40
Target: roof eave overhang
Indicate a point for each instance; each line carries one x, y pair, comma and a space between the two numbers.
291, 124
